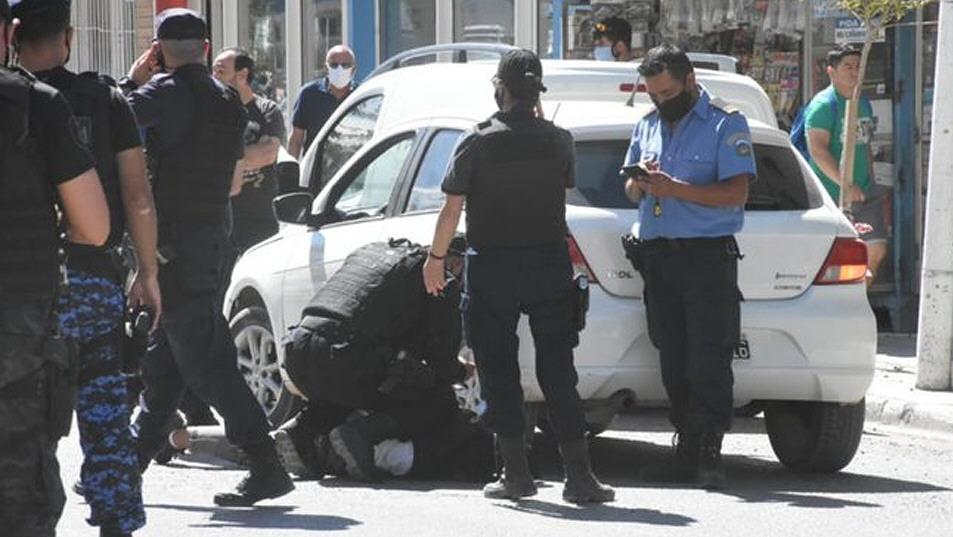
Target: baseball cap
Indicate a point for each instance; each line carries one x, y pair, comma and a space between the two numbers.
519, 66
179, 24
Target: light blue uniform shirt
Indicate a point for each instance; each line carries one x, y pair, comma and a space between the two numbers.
708, 145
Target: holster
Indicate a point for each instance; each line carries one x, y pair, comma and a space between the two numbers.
633, 251
581, 286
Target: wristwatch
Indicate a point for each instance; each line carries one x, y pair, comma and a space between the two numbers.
128, 85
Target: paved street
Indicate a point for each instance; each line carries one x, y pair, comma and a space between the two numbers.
900, 484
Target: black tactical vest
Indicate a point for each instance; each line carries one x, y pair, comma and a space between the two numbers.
191, 180
30, 255
89, 96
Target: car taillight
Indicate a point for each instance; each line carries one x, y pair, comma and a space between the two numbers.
579, 263
846, 263
628, 87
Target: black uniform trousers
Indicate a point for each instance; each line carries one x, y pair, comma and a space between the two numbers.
500, 285
194, 349
693, 307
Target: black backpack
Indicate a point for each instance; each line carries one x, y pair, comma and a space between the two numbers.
378, 294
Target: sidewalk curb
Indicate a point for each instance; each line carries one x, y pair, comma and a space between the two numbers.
905, 413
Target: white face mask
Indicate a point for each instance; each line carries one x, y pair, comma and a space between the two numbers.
603, 54
340, 77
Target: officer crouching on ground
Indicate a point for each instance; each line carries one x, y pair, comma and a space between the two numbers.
194, 142
41, 159
92, 311
696, 154
513, 171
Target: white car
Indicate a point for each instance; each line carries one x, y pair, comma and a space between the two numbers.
809, 334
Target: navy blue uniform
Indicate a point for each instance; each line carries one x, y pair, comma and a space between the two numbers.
690, 259
194, 129
514, 170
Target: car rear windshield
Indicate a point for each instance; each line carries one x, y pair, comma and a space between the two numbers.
780, 186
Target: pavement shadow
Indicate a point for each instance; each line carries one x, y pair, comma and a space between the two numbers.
752, 479
599, 513
400, 484
271, 517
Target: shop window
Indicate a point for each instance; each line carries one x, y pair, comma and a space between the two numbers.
484, 21
406, 24
320, 30
261, 31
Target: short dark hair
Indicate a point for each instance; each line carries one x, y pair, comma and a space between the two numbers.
615, 28
838, 53
666, 58
243, 60
42, 25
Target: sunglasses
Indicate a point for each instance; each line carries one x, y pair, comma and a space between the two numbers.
335, 65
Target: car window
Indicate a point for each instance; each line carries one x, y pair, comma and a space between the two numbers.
426, 194
354, 129
781, 184
370, 191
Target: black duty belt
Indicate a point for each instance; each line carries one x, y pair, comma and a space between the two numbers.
663, 244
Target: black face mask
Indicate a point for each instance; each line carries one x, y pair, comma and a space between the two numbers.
675, 108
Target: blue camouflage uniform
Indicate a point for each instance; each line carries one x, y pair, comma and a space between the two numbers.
91, 313
689, 259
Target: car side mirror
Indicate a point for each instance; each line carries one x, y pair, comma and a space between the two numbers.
293, 208
288, 170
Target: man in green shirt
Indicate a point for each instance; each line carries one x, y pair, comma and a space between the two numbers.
824, 123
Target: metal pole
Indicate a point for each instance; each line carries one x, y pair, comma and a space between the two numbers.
935, 338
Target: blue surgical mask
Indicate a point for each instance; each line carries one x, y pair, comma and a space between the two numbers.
603, 53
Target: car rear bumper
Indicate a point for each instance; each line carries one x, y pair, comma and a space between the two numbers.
819, 346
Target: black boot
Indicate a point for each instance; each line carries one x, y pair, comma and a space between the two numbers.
109, 531
711, 471
266, 479
327, 461
682, 465
295, 446
581, 484
354, 442
517, 481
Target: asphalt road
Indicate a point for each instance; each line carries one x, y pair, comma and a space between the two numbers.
900, 484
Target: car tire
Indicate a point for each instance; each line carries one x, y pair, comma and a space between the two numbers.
258, 363
814, 437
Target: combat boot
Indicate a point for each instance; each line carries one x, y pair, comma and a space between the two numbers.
711, 470
682, 466
266, 479
354, 442
581, 484
110, 531
516, 481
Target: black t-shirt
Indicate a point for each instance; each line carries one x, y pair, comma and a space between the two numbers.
514, 170
60, 157
254, 219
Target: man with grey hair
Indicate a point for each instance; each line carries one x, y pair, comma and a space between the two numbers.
195, 129
319, 98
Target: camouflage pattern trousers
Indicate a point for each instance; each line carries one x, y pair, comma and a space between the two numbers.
91, 314
31, 494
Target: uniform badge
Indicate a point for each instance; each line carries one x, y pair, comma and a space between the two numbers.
657, 209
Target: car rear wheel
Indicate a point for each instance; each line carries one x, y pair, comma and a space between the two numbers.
258, 363
814, 437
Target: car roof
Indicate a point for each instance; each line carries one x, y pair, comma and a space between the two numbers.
455, 88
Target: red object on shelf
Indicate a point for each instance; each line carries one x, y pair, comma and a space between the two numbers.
162, 5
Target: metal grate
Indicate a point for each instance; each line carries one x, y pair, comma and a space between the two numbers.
105, 36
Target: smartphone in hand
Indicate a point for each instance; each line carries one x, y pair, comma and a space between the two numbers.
636, 171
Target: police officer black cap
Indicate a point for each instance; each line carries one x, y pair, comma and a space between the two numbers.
26, 8
180, 24
521, 68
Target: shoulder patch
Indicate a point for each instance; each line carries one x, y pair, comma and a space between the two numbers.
724, 106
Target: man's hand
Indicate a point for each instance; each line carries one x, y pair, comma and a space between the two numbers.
434, 278
145, 66
144, 291
855, 195
659, 183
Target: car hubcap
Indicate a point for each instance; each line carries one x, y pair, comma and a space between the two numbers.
258, 363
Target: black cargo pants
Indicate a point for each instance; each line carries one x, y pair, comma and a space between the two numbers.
193, 349
500, 285
693, 307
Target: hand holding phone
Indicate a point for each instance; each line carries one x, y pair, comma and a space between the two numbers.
637, 171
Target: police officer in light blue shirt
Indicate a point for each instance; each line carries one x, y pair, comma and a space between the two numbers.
688, 167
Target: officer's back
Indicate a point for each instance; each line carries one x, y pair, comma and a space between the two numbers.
517, 195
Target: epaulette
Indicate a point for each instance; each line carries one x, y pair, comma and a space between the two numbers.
484, 125
724, 106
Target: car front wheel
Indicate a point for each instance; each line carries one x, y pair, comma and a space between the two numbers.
814, 437
258, 363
